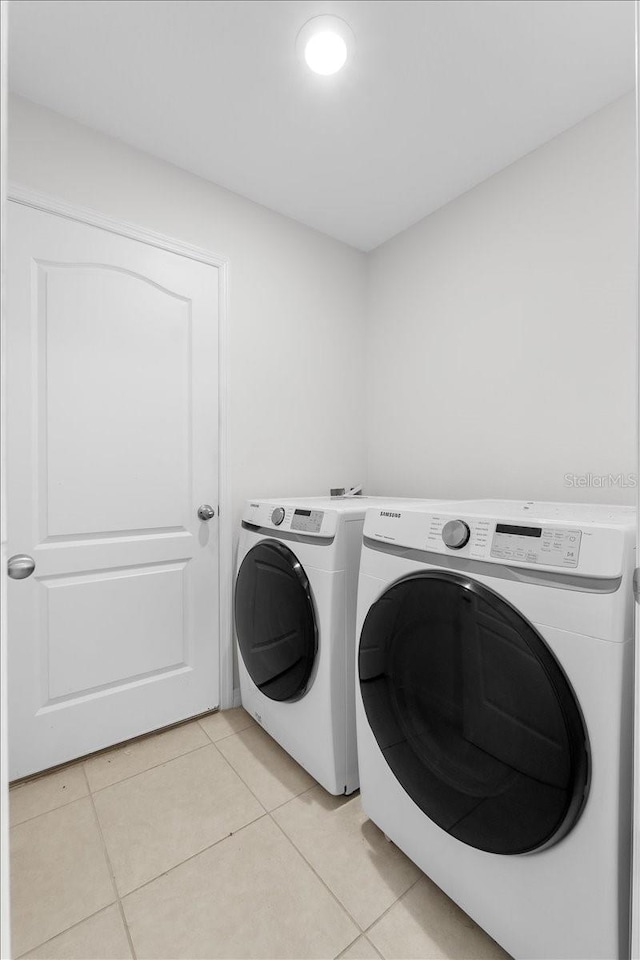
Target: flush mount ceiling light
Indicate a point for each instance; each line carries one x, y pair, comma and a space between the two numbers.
325, 43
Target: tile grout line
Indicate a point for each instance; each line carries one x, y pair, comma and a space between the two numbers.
192, 856
110, 868
161, 763
90, 797
105, 751
233, 733
359, 937
66, 929
280, 805
95, 913
362, 931
254, 794
349, 945
391, 906
80, 764
241, 779
325, 885
311, 867
154, 766
384, 912
43, 813
215, 843
48, 772
297, 797
267, 813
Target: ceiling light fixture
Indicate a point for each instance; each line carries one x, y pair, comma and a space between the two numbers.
325, 43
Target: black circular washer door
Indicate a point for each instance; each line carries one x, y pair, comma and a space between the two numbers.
473, 713
275, 621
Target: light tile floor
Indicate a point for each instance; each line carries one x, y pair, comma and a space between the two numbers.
209, 841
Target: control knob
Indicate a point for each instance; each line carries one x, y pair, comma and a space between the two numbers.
456, 534
277, 516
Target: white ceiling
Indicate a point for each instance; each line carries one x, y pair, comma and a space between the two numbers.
439, 95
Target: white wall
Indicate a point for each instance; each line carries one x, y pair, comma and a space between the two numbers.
296, 305
502, 330
499, 335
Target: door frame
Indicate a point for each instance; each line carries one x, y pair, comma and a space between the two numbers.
635, 810
5, 920
48, 204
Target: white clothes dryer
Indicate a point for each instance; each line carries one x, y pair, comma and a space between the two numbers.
493, 701
295, 614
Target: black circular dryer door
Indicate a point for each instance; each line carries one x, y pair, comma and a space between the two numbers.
275, 621
473, 714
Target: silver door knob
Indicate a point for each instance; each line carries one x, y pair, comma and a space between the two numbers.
205, 512
20, 566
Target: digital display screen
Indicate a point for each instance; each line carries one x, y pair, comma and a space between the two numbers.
302, 513
518, 531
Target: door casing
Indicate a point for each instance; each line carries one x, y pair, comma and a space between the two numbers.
58, 207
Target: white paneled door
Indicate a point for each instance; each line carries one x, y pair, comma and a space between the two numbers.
112, 440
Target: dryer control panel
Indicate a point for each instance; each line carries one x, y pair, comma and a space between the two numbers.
286, 517
308, 521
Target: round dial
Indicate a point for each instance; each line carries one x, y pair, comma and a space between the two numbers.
455, 534
277, 516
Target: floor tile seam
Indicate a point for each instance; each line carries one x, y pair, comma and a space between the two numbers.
234, 733
192, 856
44, 943
59, 806
242, 780
45, 813
132, 776
43, 774
248, 786
386, 910
143, 738
322, 881
93, 792
391, 906
80, 763
349, 945
291, 799
111, 871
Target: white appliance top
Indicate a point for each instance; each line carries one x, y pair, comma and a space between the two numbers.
609, 514
320, 516
589, 540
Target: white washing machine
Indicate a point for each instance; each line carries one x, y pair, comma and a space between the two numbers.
493, 701
295, 613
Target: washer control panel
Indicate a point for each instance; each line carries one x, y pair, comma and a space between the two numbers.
592, 549
551, 546
455, 534
468, 535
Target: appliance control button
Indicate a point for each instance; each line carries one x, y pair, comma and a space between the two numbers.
455, 534
277, 516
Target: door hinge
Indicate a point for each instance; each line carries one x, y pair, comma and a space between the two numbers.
636, 585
